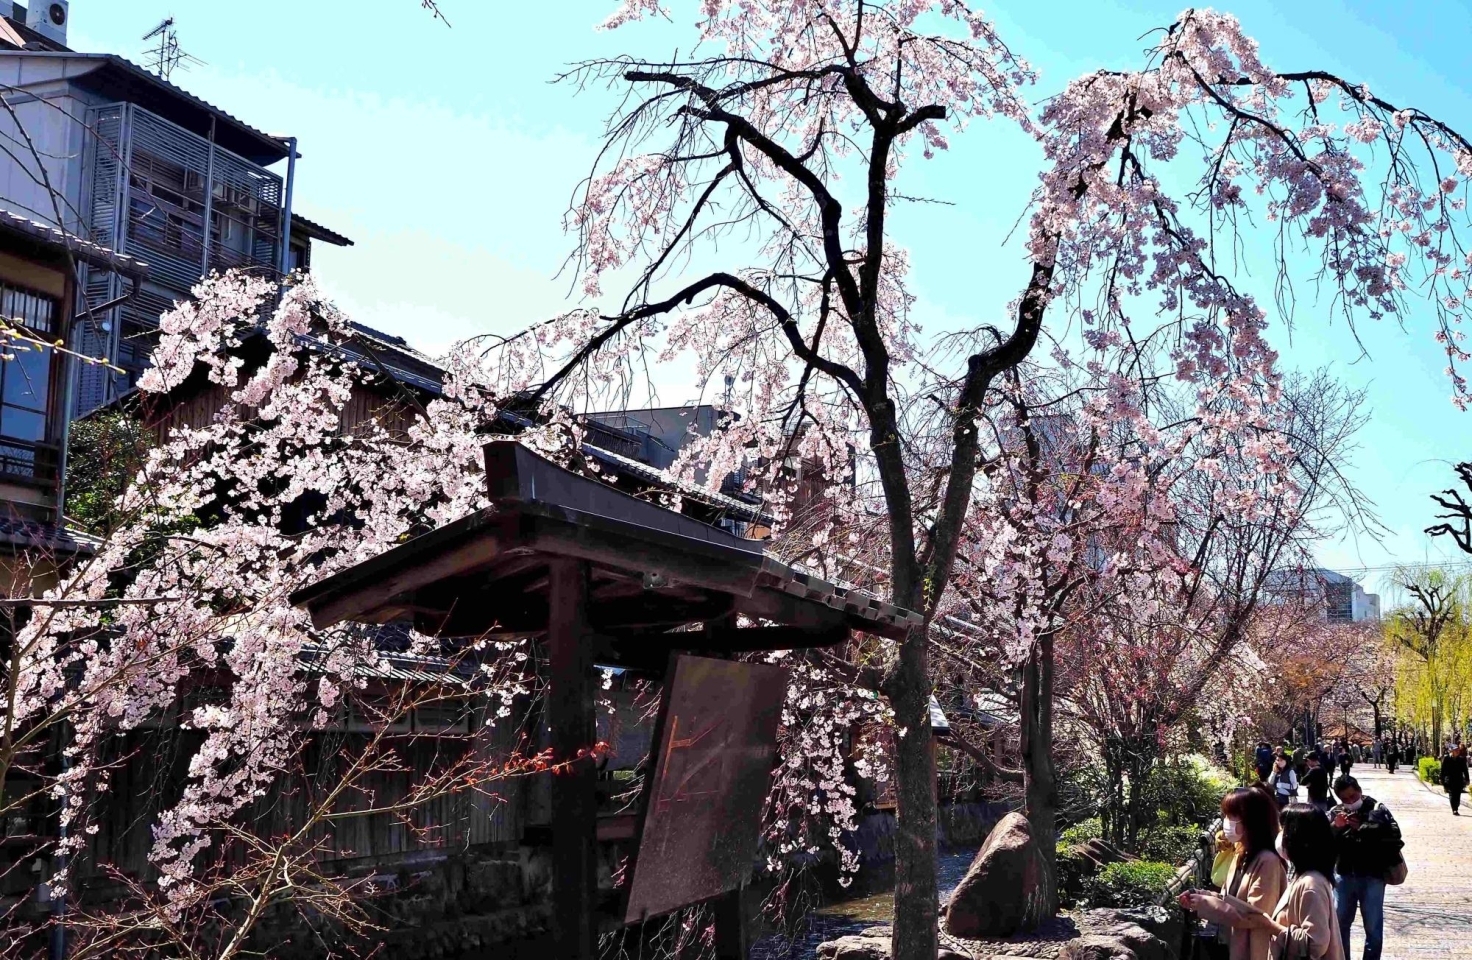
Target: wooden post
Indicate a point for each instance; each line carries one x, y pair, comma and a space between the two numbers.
570, 713
730, 922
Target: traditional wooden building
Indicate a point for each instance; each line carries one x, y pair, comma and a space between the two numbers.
39, 265
599, 577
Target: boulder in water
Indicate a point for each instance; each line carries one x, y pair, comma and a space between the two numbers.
863, 946
999, 894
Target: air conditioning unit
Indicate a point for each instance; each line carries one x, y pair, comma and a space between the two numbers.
49, 18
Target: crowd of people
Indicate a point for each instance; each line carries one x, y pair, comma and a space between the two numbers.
1308, 852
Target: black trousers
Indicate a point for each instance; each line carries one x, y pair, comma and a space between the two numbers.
1455, 795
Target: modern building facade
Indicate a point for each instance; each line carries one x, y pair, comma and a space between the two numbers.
1340, 598
118, 156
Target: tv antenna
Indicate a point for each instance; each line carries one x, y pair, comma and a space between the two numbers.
167, 56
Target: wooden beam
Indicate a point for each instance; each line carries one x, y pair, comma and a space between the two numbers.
570, 713
481, 549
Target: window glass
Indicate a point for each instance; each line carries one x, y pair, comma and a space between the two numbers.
27, 377
25, 381
19, 424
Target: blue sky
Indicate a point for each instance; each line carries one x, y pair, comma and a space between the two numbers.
449, 157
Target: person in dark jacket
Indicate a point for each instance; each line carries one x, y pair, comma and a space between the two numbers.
1263, 760
1454, 777
1368, 845
1346, 759
1392, 756
1316, 782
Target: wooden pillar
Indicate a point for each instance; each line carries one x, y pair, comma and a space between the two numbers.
730, 922
570, 713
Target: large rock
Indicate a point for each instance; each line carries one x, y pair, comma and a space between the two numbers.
1145, 930
1101, 854
1095, 947
1157, 920
999, 894
861, 946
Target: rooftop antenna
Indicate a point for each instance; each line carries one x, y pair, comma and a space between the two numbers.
164, 58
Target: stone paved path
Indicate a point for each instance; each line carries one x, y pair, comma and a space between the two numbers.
1430, 915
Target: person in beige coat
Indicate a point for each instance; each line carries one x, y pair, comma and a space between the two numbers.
1302, 925
1256, 875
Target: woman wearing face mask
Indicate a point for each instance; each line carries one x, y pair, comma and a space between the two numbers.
1302, 924
1283, 781
1256, 876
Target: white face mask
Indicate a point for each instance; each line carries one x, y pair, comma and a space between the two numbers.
1232, 830
1353, 807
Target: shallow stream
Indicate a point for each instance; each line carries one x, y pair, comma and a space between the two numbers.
843, 917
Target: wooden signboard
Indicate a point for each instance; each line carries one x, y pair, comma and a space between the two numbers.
715, 750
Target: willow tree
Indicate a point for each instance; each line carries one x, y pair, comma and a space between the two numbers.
744, 200
1432, 630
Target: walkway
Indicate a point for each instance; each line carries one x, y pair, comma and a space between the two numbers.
1430, 915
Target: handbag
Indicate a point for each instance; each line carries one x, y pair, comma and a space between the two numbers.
1397, 873
1220, 868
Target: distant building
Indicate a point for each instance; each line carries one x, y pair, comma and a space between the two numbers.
119, 156
1340, 598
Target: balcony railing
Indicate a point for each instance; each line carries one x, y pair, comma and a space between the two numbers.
23, 461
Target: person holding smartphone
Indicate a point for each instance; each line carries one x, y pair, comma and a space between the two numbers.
1256, 875
1302, 925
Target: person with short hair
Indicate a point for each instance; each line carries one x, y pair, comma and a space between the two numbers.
1367, 846
1262, 760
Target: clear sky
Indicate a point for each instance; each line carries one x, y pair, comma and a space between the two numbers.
449, 157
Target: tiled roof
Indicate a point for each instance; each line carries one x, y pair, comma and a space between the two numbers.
84, 250
409, 668
316, 231
270, 148
50, 537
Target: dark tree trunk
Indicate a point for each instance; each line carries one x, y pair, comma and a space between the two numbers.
916, 907
1039, 778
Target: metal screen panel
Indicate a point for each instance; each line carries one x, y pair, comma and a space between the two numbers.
92, 336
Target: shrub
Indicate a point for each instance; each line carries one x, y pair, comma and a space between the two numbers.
1082, 832
1170, 844
1139, 883
1429, 770
1187, 790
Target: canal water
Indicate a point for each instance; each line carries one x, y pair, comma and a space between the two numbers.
844, 917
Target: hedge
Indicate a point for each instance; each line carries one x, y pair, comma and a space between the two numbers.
1429, 770
1136, 883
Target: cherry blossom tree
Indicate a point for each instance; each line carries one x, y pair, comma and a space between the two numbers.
182, 618
786, 132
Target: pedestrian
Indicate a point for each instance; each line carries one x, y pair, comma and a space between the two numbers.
1263, 760
1454, 777
1316, 783
1303, 924
1283, 781
1256, 875
1375, 754
1345, 760
1368, 845
1391, 756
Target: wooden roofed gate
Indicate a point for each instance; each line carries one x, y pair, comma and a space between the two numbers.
600, 577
